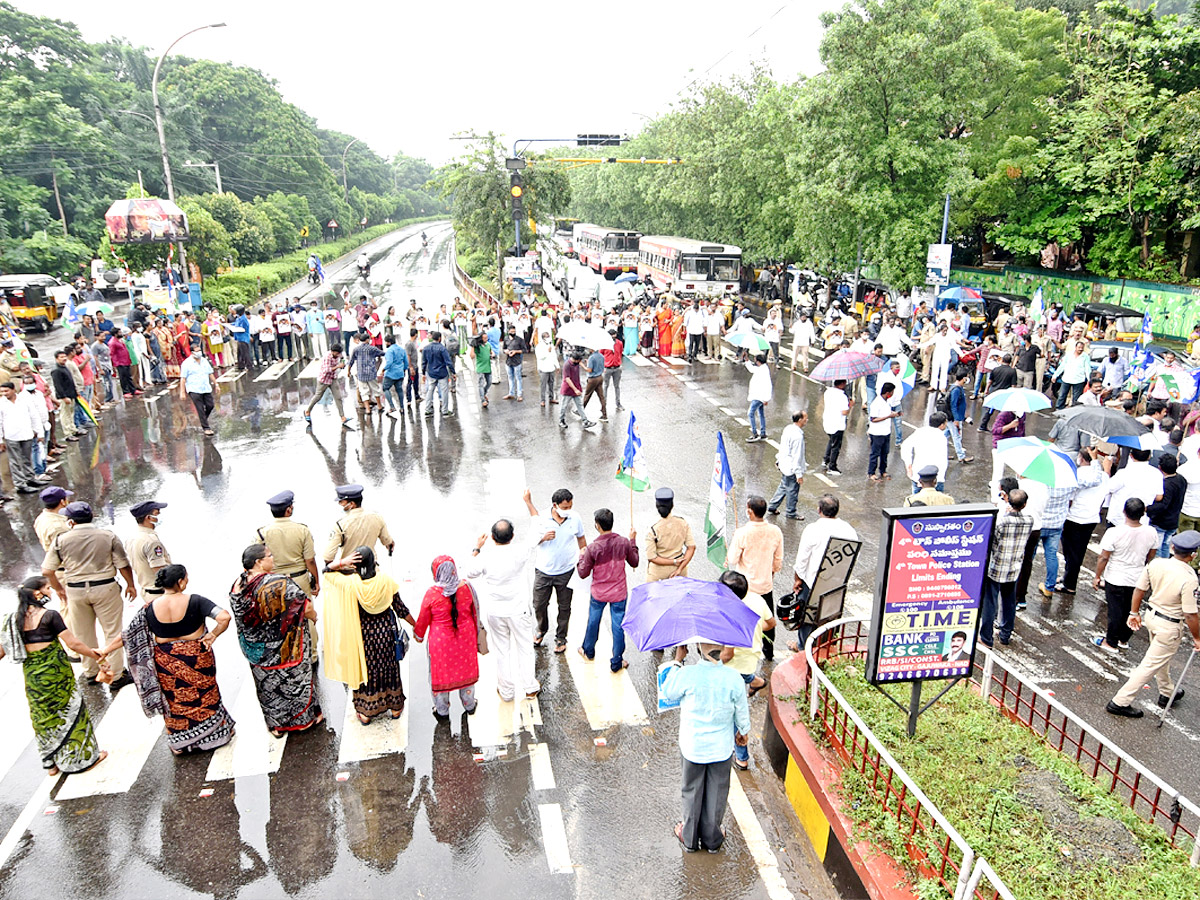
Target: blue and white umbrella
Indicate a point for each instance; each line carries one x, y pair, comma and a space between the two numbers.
625, 278
1017, 400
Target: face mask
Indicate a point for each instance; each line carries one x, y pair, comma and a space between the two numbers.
31, 387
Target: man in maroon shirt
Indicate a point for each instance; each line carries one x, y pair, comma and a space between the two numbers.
605, 559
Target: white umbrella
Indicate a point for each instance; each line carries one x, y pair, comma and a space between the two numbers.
585, 334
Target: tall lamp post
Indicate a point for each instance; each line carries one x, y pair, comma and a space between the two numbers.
162, 136
346, 190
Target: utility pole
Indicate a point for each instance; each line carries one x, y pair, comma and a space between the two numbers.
162, 135
215, 166
946, 219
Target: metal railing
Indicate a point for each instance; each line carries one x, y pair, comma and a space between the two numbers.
936, 849
466, 284
1098, 757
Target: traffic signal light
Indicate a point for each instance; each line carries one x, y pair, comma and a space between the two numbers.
517, 191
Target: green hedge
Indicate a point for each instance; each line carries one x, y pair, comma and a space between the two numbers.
248, 284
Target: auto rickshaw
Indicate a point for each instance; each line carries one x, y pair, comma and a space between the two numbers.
31, 306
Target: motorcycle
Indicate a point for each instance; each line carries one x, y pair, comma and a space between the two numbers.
313, 275
364, 271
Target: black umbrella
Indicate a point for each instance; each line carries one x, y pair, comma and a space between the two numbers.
1102, 421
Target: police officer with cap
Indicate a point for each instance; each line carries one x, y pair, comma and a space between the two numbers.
51, 522
669, 542
145, 549
1173, 586
291, 543
357, 528
91, 557
928, 495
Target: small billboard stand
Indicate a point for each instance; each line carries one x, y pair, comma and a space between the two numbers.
925, 618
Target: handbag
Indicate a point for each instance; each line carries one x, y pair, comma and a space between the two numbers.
481, 643
401, 641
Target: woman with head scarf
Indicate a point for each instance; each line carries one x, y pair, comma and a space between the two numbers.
448, 613
270, 610
172, 663
361, 634
33, 636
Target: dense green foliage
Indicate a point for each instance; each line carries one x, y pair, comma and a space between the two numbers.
976, 765
1065, 121
477, 187
76, 129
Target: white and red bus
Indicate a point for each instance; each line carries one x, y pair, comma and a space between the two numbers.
606, 251
689, 268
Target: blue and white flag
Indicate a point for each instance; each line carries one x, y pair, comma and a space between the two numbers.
1037, 307
1147, 335
716, 519
631, 470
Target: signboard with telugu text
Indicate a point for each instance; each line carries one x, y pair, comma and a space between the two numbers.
925, 618
937, 265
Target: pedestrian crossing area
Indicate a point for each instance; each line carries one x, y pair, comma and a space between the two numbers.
276, 370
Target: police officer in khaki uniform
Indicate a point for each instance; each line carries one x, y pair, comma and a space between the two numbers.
91, 557
669, 542
51, 522
145, 549
928, 495
358, 528
291, 543
1173, 587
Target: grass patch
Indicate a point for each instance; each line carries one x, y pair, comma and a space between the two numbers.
1049, 831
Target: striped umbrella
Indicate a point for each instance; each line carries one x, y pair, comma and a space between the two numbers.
1038, 460
748, 340
849, 365
1017, 400
908, 374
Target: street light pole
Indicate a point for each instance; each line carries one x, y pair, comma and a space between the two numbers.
162, 135
346, 190
214, 165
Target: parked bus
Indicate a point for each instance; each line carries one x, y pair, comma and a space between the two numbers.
607, 251
689, 268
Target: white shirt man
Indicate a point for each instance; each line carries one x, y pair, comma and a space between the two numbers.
1138, 479
836, 407
713, 321
880, 409
693, 320
894, 340
506, 601
773, 327
814, 540
926, 446
760, 384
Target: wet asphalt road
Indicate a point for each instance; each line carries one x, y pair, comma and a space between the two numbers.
425, 818
537, 801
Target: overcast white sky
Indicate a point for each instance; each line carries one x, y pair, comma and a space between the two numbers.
406, 75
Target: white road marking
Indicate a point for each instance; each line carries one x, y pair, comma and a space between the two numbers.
539, 767
709, 362
745, 423
728, 411
1090, 663
36, 803
692, 385
608, 698
756, 842
383, 736
714, 401
677, 361
820, 477
505, 485
640, 360
253, 750
227, 378
1040, 629
128, 736
773, 443
275, 370
311, 370
554, 836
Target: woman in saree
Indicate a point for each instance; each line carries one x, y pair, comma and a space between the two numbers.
33, 636
678, 338
172, 663
448, 613
183, 342
663, 318
270, 610
361, 634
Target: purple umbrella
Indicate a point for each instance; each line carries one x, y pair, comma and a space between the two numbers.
848, 364
686, 610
